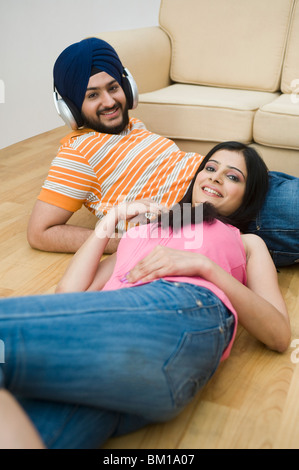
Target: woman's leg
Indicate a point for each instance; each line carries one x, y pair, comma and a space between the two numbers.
36, 424
64, 426
143, 351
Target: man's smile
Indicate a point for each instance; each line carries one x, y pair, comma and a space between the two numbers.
112, 112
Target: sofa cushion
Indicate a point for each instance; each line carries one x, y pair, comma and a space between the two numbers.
290, 73
231, 43
196, 112
277, 123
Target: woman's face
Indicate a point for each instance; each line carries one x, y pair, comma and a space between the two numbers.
222, 182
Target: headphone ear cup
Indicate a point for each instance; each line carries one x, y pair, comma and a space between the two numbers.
68, 112
130, 89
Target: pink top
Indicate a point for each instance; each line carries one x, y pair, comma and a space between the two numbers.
219, 242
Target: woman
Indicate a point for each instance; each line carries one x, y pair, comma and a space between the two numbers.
97, 364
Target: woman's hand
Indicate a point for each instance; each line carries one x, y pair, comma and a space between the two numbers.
134, 211
130, 210
164, 261
84, 271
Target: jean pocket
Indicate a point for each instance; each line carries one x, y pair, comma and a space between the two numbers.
281, 259
193, 363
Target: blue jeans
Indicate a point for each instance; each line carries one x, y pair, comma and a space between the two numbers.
278, 221
88, 366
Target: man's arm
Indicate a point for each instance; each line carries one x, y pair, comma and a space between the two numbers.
17, 430
48, 230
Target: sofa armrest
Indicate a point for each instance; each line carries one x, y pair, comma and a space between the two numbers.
146, 52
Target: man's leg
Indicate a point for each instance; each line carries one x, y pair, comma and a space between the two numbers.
278, 221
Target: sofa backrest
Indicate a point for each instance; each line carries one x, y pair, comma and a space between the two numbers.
227, 43
290, 74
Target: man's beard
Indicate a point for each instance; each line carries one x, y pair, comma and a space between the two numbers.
97, 126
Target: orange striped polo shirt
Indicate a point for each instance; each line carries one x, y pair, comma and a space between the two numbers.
101, 170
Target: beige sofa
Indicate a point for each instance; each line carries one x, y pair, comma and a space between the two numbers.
220, 70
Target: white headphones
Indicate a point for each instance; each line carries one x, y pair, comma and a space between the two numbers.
72, 116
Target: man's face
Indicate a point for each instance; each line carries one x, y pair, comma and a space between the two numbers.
104, 108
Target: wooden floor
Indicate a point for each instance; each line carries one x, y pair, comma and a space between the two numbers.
252, 402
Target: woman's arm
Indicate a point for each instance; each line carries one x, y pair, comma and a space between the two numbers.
85, 271
260, 306
266, 317
85, 265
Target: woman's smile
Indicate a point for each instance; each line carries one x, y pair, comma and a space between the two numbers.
211, 191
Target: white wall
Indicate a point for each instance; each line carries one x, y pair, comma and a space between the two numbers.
32, 35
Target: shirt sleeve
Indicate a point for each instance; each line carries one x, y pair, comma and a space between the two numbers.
71, 182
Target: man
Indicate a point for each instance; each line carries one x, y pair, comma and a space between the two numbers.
110, 158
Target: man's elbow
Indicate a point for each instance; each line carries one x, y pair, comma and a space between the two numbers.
35, 239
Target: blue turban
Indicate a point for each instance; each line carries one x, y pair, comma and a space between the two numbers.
76, 64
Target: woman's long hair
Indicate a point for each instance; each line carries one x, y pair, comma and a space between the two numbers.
255, 192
